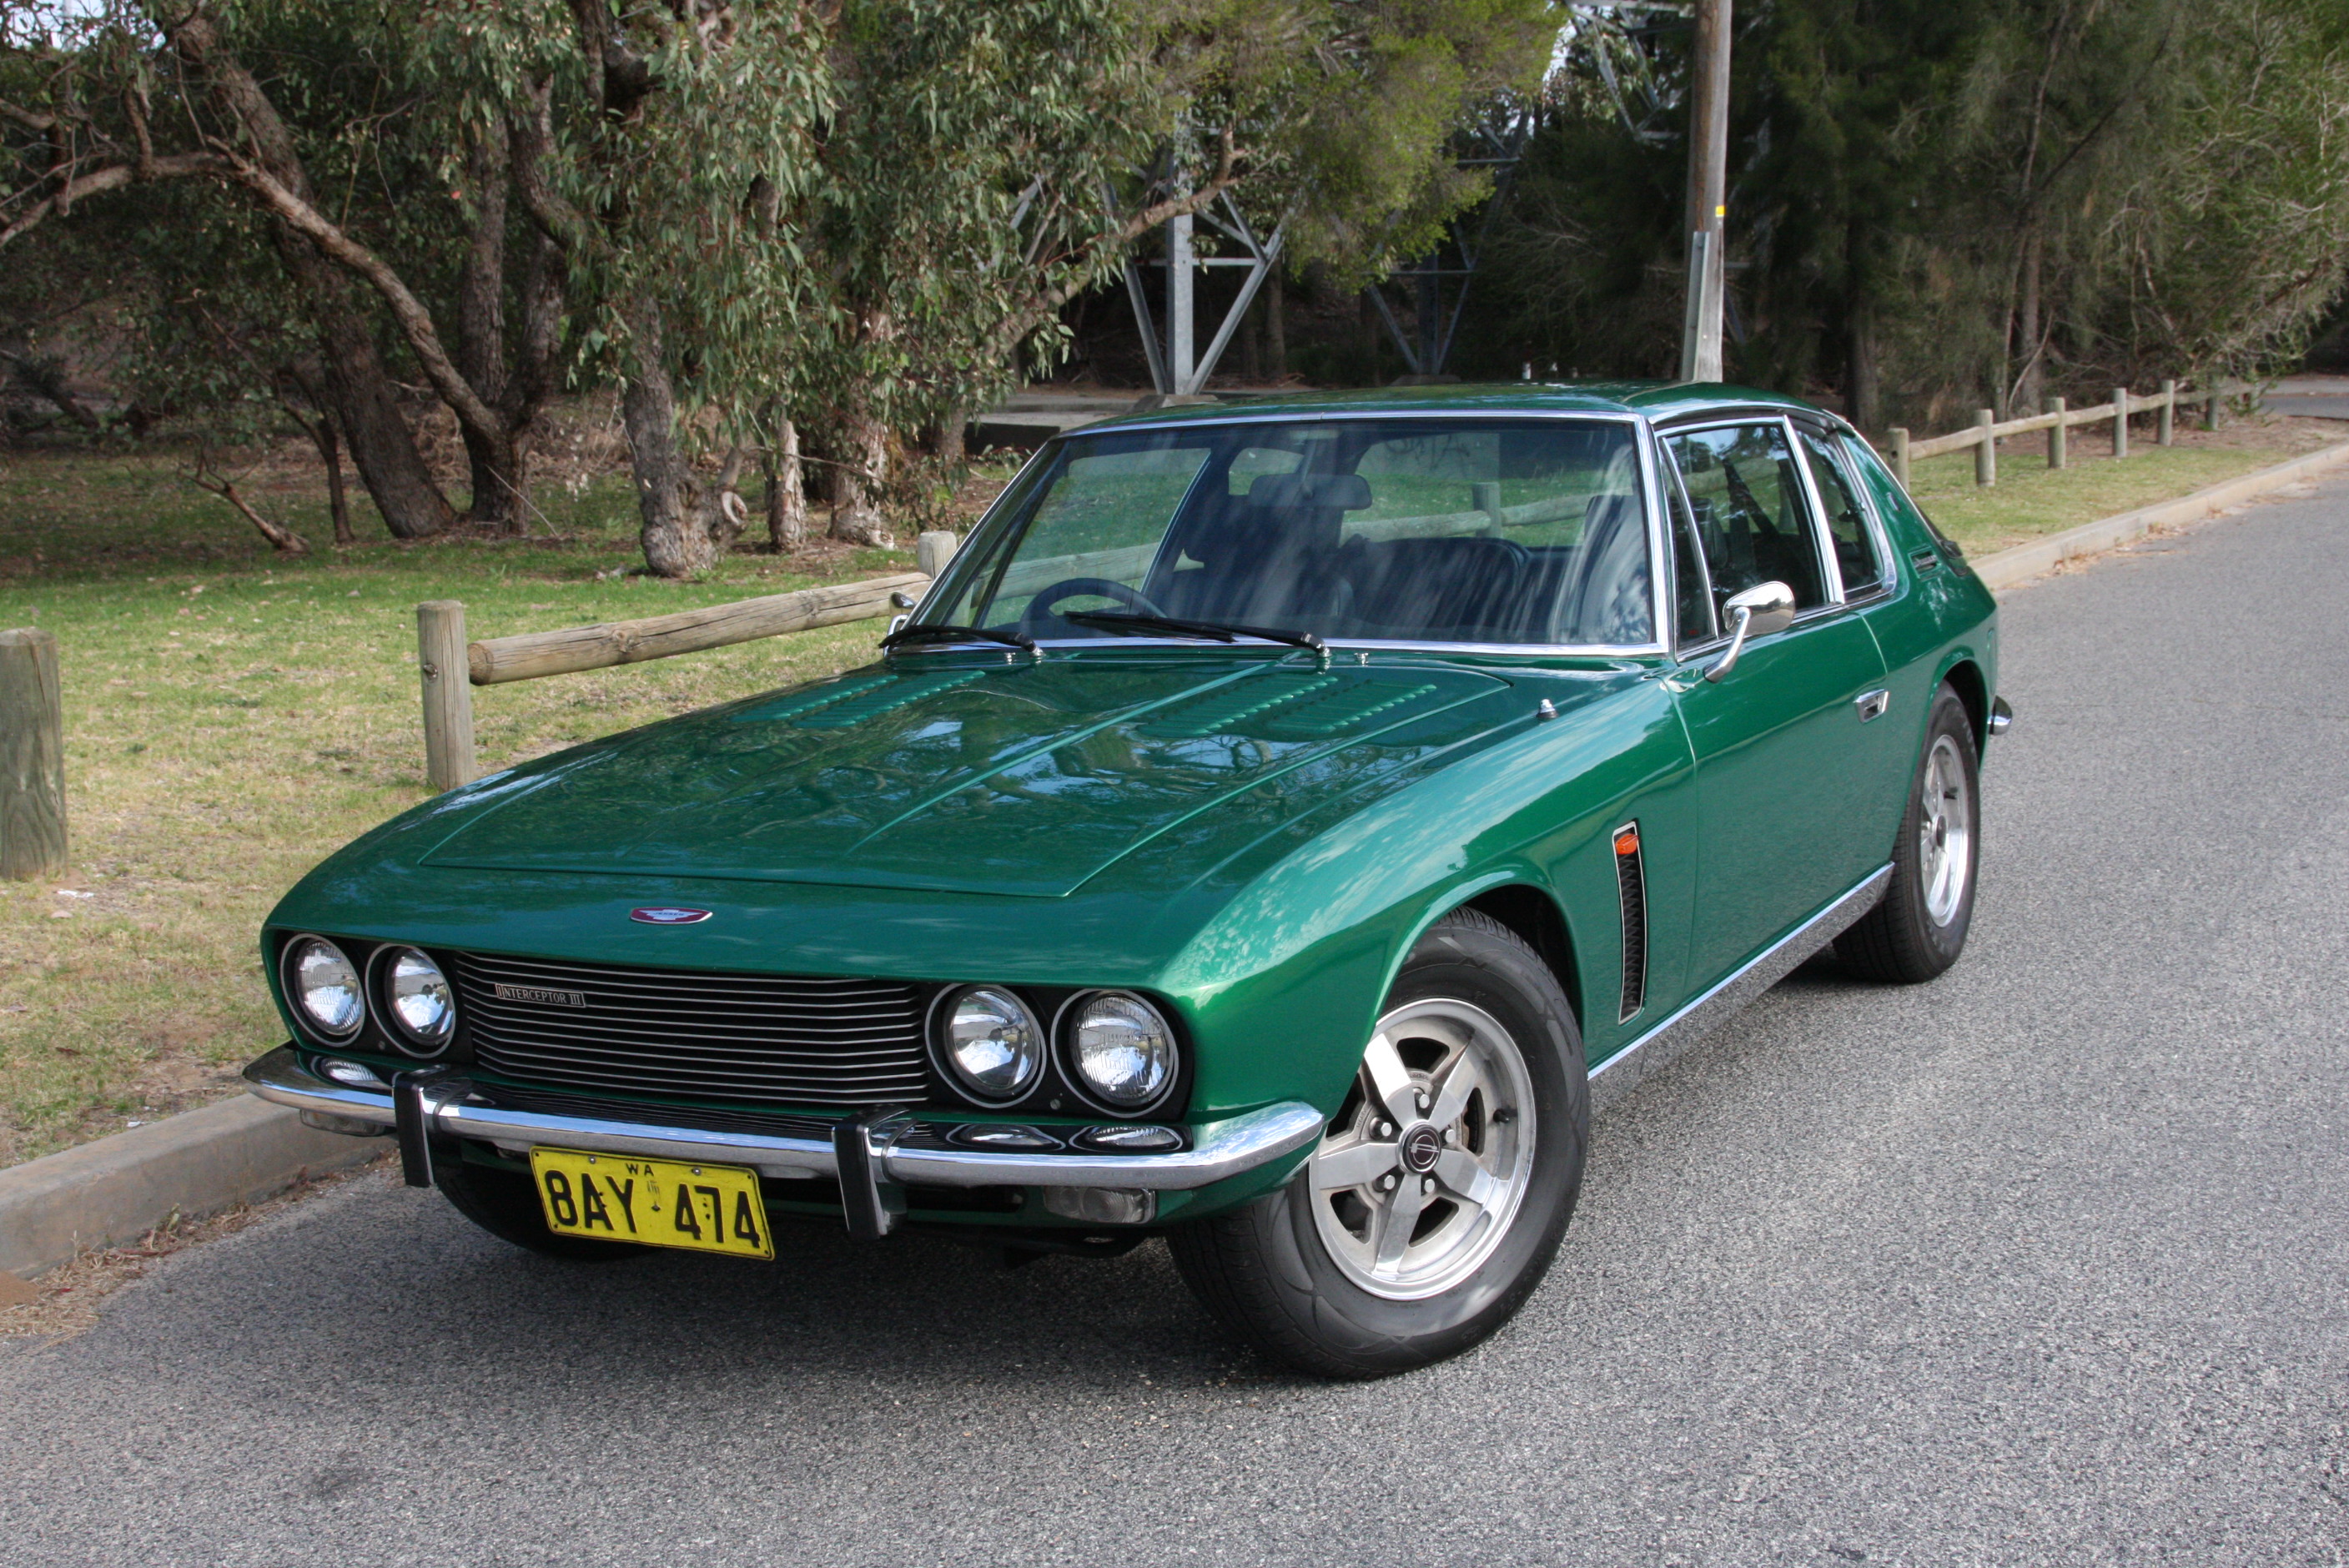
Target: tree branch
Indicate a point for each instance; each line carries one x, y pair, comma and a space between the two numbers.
113, 177
415, 322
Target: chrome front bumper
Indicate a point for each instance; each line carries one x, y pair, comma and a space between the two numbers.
869, 1153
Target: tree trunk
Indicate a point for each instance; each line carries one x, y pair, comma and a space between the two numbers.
497, 500
1275, 327
339, 501
682, 526
953, 426
363, 403
1862, 394
786, 490
855, 516
2030, 388
360, 391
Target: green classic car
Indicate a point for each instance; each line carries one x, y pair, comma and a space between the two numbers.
1269, 831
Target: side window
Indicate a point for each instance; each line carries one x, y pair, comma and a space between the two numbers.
1693, 605
1847, 533
1752, 520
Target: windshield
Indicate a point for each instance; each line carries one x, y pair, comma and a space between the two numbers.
1403, 529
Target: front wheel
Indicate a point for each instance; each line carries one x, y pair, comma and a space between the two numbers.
1442, 1186
1920, 927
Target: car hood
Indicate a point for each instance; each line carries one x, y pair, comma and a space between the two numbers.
963, 773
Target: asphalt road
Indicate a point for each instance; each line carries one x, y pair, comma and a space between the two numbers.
2041, 1263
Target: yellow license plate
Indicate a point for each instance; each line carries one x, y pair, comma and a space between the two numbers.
656, 1203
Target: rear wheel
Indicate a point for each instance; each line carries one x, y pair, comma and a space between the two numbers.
505, 1204
1440, 1191
1918, 928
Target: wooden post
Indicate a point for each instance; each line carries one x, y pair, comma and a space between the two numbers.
2210, 409
1900, 454
933, 551
1985, 448
2120, 421
1708, 190
447, 694
32, 757
2165, 432
2055, 434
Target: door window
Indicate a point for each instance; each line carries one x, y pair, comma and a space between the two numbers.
1693, 604
1848, 534
1752, 520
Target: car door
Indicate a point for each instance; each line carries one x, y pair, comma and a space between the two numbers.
1783, 752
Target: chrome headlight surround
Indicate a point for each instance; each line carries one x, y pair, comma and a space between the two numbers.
291, 965
1025, 1057
403, 975
1160, 1046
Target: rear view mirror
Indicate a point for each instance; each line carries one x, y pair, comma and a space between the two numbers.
1765, 608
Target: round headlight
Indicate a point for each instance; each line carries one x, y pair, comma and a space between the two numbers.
1122, 1050
423, 1007
324, 987
991, 1042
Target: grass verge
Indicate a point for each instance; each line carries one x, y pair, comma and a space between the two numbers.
232, 716
2032, 501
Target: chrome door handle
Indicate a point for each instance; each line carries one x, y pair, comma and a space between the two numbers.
1872, 704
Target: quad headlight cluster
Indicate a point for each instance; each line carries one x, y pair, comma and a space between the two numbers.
406, 991
1116, 1051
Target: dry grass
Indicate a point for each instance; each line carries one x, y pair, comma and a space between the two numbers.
2031, 499
231, 718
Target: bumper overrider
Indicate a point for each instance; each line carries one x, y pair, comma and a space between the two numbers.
875, 1155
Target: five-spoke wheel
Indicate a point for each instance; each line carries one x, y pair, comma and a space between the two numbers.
1423, 1168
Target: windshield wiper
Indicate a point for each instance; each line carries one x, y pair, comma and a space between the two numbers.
1119, 621
938, 634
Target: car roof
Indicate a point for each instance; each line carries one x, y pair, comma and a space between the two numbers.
1653, 399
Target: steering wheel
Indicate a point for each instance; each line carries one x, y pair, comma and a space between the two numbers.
1045, 606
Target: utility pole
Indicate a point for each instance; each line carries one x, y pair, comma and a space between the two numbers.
1708, 193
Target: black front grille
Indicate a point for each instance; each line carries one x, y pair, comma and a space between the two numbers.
755, 1038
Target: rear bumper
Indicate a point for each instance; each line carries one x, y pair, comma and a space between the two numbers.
899, 1149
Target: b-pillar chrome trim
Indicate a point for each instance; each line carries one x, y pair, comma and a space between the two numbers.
449, 1106
1613, 1078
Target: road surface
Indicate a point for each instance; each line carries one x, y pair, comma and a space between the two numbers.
2043, 1263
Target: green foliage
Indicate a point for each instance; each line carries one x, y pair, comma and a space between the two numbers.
1975, 201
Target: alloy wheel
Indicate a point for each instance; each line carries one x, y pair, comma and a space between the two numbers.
1945, 831
1427, 1163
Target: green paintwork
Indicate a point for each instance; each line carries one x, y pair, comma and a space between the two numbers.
1253, 835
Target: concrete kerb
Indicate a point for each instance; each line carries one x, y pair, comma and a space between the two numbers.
242, 1151
2024, 562
198, 1162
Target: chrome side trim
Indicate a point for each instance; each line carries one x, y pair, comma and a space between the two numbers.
1613, 1078
1220, 1149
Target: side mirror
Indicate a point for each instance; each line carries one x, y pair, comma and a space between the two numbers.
1765, 608
902, 600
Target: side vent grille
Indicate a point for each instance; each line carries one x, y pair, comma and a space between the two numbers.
1631, 880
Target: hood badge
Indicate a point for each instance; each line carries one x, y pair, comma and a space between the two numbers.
540, 995
663, 914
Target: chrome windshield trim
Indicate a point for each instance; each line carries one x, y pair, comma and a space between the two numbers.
1324, 416
1218, 1150
1367, 645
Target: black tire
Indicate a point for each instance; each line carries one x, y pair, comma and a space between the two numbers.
1900, 941
505, 1204
1265, 1274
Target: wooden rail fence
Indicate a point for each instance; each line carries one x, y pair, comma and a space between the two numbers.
450, 666
1986, 431
32, 757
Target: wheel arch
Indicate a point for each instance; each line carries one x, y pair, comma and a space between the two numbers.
1533, 913
1965, 677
